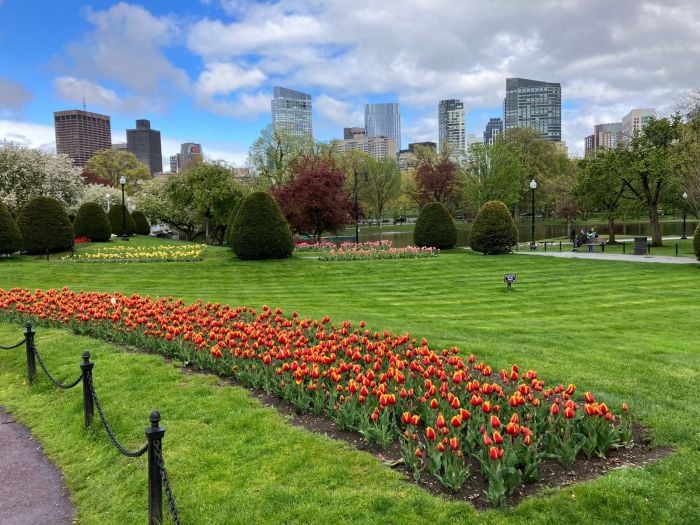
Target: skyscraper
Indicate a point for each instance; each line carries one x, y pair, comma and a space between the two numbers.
384, 120
291, 112
349, 133
80, 134
604, 136
189, 152
451, 127
377, 147
494, 127
144, 142
633, 123
533, 104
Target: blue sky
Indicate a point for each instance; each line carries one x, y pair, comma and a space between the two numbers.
203, 71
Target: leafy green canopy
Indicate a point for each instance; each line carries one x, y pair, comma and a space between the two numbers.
435, 227
91, 221
494, 230
260, 231
44, 226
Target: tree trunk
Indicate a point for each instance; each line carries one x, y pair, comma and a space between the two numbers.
568, 226
656, 239
611, 231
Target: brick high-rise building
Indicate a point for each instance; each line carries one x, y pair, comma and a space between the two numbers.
80, 134
144, 143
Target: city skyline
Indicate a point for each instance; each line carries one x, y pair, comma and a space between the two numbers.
204, 73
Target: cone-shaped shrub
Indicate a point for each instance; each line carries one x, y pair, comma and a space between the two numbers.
91, 221
141, 223
232, 217
44, 226
696, 242
115, 219
494, 230
10, 238
260, 231
435, 227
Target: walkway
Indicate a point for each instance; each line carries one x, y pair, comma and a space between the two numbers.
612, 257
32, 490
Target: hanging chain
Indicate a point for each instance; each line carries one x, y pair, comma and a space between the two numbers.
55, 381
12, 347
116, 443
166, 483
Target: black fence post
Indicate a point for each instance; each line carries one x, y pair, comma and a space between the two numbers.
155, 433
623, 247
88, 402
559, 245
29, 343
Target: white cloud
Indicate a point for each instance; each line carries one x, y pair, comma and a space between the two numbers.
221, 78
125, 51
337, 111
30, 135
244, 105
73, 89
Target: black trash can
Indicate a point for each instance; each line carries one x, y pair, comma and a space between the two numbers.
640, 245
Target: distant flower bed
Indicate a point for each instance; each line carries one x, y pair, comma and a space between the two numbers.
356, 254
136, 254
82, 240
350, 251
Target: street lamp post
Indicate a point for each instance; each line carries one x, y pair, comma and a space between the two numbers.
357, 212
125, 235
108, 198
533, 187
685, 200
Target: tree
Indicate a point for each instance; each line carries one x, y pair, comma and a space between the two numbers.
314, 200
259, 229
210, 189
119, 218
494, 230
26, 173
44, 226
141, 223
111, 164
381, 186
651, 160
437, 178
599, 185
494, 172
10, 238
273, 152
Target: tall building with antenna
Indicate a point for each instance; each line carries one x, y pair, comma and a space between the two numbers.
80, 134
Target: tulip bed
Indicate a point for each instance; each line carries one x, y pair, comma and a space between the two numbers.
140, 254
448, 412
349, 251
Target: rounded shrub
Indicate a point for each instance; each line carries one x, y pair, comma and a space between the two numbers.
232, 217
696, 242
91, 221
260, 231
115, 219
44, 226
10, 238
494, 230
435, 227
141, 223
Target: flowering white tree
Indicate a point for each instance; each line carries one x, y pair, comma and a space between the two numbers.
27, 173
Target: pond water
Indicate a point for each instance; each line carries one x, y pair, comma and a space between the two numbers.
401, 238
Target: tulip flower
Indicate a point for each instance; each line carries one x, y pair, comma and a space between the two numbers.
430, 434
454, 443
456, 421
496, 453
497, 438
441, 421
495, 422
554, 409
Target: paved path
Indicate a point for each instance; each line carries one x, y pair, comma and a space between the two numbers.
613, 257
32, 491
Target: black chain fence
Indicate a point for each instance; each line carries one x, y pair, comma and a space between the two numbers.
158, 476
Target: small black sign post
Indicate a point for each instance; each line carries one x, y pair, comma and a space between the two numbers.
509, 279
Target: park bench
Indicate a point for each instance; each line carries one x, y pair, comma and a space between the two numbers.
596, 241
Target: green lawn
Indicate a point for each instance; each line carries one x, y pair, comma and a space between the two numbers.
625, 331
